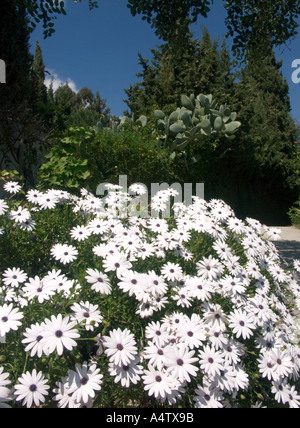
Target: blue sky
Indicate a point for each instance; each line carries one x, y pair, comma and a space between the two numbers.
98, 49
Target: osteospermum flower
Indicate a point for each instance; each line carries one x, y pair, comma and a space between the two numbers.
33, 338
47, 200
32, 388
4, 381
172, 271
64, 253
3, 207
208, 397
209, 268
126, 374
100, 281
211, 361
192, 334
157, 382
180, 363
84, 382
241, 323
296, 264
86, 313
12, 187
36, 288
20, 215
157, 333
14, 277
116, 262
156, 355
9, 318
33, 196
80, 233
59, 334
120, 346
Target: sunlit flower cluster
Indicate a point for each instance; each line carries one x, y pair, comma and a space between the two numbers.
192, 310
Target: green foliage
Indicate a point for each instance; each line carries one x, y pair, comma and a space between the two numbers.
250, 21
84, 158
45, 12
71, 109
134, 152
69, 163
165, 16
196, 66
196, 119
23, 123
294, 214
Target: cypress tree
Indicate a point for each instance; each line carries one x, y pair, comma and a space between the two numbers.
198, 66
21, 129
38, 75
257, 168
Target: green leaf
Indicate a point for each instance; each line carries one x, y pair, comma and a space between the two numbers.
218, 123
205, 123
186, 118
174, 116
177, 127
142, 120
232, 127
160, 114
187, 103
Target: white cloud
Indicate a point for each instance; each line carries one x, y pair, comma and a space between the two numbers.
58, 81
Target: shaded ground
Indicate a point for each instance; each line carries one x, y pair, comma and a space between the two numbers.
289, 250
289, 244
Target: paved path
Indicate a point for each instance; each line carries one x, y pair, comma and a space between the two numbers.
289, 244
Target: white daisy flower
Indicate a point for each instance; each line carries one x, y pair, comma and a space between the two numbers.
64, 253
116, 262
21, 215
39, 289
48, 200
32, 388
14, 277
120, 347
3, 207
9, 319
12, 187
33, 337
157, 333
180, 363
59, 334
172, 272
209, 268
157, 382
211, 361
208, 397
126, 374
33, 196
241, 323
5, 393
84, 382
86, 313
100, 281
80, 233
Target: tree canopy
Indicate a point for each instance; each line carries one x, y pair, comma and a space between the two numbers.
246, 20
249, 21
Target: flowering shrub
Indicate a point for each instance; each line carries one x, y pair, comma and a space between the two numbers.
99, 309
